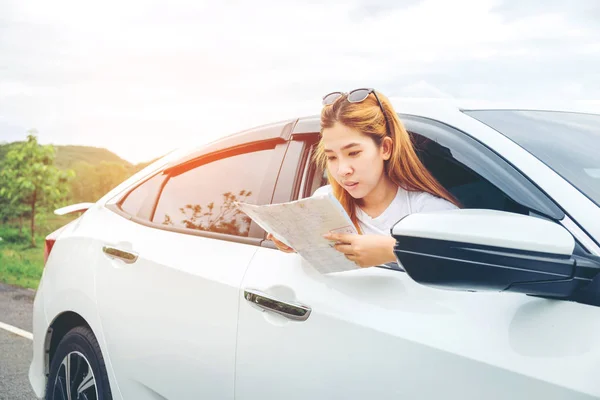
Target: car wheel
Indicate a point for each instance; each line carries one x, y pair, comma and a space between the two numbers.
77, 371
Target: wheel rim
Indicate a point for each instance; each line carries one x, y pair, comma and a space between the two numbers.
75, 379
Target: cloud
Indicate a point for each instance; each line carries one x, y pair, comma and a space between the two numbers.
141, 77
586, 12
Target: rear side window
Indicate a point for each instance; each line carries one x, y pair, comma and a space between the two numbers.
140, 201
203, 198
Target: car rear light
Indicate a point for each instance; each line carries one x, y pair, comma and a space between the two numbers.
50, 240
48, 247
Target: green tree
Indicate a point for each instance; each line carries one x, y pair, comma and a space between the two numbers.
29, 181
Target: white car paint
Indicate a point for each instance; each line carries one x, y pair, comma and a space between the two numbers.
375, 333
73, 208
36, 373
489, 227
170, 318
67, 284
175, 323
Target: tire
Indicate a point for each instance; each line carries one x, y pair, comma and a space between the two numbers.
79, 349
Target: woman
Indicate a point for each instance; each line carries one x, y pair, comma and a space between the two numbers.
374, 172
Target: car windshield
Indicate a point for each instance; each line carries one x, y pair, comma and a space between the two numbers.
567, 142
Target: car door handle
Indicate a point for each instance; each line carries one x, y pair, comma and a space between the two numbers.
296, 312
127, 256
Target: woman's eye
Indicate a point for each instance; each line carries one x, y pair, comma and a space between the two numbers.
354, 153
330, 158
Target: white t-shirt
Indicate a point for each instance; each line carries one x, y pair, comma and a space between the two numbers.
403, 204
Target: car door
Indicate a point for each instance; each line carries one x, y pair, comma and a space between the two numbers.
176, 249
375, 333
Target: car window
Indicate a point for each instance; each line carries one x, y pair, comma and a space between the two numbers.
203, 198
140, 201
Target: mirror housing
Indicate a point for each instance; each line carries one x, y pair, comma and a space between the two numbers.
488, 250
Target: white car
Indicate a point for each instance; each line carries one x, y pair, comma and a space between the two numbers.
163, 290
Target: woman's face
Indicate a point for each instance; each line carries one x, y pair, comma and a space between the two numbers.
354, 160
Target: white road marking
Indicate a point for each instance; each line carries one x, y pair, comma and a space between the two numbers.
16, 331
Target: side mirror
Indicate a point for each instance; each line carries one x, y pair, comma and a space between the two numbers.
478, 250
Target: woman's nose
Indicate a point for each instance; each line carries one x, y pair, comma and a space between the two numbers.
344, 169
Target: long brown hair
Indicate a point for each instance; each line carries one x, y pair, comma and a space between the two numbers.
403, 168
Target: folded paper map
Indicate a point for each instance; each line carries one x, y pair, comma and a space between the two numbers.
301, 225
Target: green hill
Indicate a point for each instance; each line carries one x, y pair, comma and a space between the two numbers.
68, 156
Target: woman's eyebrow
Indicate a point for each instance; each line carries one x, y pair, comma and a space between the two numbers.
344, 148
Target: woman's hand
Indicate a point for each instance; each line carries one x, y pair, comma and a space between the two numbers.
280, 245
364, 250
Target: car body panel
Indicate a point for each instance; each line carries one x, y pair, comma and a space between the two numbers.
68, 285
37, 367
170, 318
375, 333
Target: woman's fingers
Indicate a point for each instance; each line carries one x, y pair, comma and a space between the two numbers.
344, 248
280, 245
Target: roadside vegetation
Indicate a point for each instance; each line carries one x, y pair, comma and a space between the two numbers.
35, 180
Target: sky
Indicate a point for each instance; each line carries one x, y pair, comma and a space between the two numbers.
143, 77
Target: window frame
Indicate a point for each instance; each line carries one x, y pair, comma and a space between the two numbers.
295, 167
278, 148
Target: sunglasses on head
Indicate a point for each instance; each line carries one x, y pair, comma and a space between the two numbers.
355, 96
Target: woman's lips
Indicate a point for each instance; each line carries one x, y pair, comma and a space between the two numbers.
350, 185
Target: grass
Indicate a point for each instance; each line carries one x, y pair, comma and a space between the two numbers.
20, 263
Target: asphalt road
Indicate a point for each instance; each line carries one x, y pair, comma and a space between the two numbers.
15, 351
